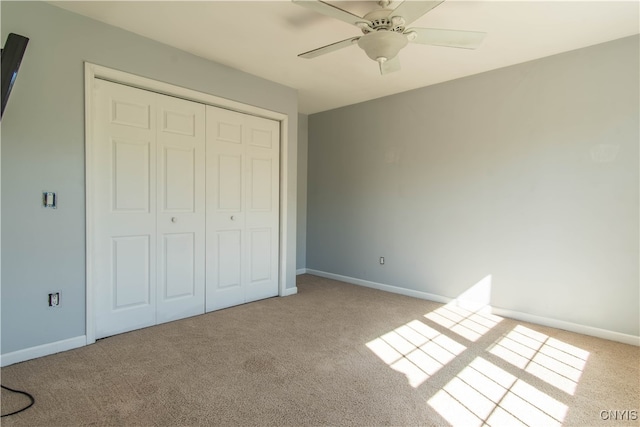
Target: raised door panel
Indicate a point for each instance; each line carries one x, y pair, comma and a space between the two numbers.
178, 259
260, 192
261, 252
229, 183
130, 187
127, 112
179, 121
131, 267
179, 179
228, 128
262, 136
224, 278
229, 251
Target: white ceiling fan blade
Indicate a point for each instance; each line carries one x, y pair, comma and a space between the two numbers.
329, 48
330, 10
446, 38
411, 10
390, 65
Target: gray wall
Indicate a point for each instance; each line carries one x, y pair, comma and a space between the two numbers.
301, 246
43, 149
507, 173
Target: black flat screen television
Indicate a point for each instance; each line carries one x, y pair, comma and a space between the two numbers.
12, 54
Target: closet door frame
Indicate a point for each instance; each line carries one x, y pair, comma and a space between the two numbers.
93, 72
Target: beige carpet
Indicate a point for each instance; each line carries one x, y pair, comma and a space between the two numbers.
334, 354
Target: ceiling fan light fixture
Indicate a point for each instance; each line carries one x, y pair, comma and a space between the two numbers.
382, 44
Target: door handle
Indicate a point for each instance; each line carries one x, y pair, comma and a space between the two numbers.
174, 219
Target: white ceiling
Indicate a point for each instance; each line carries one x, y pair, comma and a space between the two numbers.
263, 38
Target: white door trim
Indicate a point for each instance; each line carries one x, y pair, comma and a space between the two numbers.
92, 72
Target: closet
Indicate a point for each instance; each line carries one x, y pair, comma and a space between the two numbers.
184, 209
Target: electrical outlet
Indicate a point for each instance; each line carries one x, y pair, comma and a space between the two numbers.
49, 199
381, 260
54, 299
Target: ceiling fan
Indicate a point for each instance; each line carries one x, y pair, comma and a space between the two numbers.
385, 31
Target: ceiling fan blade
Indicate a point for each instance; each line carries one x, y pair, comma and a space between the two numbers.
330, 10
329, 48
446, 38
411, 10
390, 66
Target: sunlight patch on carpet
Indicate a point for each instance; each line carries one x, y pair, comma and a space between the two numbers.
416, 350
484, 394
553, 361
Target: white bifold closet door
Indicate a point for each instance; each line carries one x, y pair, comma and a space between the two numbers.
242, 201
148, 208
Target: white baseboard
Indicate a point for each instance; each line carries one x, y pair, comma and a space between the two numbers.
516, 315
382, 287
42, 350
290, 291
301, 271
568, 326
